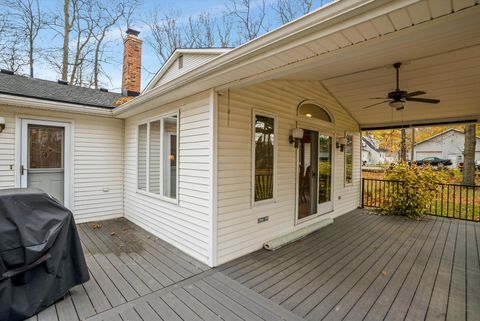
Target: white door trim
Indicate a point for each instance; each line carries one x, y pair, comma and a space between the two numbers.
22, 154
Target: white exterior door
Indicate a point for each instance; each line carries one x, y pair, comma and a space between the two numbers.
45, 158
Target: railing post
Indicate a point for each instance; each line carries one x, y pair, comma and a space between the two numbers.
363, 192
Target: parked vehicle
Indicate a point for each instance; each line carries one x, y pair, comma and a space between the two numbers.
477, 165
434, 161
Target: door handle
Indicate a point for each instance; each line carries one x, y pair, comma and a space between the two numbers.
22, 170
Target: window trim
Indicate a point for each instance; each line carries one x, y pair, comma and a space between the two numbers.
345, 160
259, 112
147, 121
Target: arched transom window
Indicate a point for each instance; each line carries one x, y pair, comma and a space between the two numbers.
314, 111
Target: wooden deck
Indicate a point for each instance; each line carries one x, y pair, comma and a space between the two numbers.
362, 267
370, 267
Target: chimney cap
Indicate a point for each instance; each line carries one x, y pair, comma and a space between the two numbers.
132, 32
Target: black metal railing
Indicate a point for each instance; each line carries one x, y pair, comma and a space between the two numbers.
451, 200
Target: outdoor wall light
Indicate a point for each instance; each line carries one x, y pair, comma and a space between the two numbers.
2, 124
297, 134
341, 142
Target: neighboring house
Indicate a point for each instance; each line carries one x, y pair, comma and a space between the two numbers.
372, 154
204, 159
448, 144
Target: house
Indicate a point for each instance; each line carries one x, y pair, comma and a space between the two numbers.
372, 154
448, 144
251, 143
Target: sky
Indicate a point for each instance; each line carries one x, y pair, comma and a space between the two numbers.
150, 62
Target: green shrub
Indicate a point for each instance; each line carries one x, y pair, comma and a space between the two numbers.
415, 192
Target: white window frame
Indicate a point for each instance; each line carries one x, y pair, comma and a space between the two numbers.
345, 159
147, 191
255, 113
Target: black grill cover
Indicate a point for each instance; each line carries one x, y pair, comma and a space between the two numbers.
40, 253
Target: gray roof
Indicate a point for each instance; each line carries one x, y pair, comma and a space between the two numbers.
51, 90
368, 141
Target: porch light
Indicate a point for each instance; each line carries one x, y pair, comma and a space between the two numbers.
397, 104
2, 124
308, 115
341, 142
297, 134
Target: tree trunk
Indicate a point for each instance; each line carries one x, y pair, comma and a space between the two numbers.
30, 57
66, 38
403, 146
469, 155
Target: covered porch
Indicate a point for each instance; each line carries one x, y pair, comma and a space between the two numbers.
362, 267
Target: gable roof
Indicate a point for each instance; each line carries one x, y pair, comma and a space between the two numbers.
441, 134
214, 52
22, 86
368, 141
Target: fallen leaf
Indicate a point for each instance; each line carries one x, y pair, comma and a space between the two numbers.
112, 234
384, 273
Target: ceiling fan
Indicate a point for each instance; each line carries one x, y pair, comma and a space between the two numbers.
397, 98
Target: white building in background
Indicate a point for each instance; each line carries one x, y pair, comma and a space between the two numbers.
448, 144
372, 154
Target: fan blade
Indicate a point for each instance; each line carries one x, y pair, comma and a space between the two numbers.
424, 100
382, 102
415, 93
378, 98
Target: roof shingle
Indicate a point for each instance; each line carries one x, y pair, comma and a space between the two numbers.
50, 90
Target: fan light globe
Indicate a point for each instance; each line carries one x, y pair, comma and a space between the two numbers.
396, 104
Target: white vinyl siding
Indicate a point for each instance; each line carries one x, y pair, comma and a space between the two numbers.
7, 150
97, 161
190, 62
185, 222
238, 230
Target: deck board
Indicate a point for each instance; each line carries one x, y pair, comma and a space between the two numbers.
353, 276
473, 274
291, 290
392, 269
362, 267
437, 309
418, 305
457, 303
263, 277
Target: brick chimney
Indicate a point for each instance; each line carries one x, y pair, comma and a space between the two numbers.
132, 63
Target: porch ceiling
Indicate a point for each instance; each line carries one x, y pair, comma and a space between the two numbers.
441, 57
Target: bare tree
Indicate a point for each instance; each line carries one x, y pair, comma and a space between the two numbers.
224, 31
106, 16
250, 17
83, 27
69, 17
469, 155
166, 34
12, 55
30, 19
288, 10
